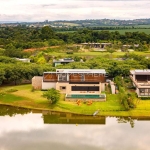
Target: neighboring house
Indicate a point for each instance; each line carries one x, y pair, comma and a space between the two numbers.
97, 45
141, 80
62, 61
77, 83
127, 47
23, 59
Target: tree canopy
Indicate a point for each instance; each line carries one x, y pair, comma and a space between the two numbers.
52, 95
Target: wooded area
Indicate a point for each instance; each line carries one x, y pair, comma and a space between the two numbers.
13, 41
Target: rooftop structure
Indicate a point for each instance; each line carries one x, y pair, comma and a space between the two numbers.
102, 71
62, 61
23, 59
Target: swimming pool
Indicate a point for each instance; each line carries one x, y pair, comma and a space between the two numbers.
86, 96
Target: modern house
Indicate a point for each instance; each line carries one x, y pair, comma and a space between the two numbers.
141, 80
97, 45
75, 83
62, 61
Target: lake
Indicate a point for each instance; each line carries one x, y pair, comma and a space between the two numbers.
23, 129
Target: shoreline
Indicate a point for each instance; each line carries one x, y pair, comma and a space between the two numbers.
23, 97
101, 113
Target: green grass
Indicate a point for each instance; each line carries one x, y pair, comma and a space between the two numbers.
122, 31
24, 97
9, 98
92, 53
140, 28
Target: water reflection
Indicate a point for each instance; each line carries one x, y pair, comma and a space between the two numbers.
12, 111
68, 118
28, 132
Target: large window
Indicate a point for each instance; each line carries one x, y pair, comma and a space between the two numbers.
144, 92
85, 88
143, 78
62, 77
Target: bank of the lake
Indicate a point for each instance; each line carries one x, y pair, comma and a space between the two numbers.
24, 96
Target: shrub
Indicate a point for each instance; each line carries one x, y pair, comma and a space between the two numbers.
12, 90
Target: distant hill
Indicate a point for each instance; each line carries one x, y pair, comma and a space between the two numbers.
81, 23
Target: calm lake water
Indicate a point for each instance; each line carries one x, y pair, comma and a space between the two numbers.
22, 129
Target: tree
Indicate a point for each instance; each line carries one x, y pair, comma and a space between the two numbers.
110, 50
47, 33
2, 73
52, 95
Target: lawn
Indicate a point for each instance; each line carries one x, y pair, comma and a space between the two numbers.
95, 54
23, 96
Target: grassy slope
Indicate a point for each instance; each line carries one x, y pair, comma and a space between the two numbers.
24, 97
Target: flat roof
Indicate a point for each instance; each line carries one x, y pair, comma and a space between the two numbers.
95, 43
54, 61
81, 71
101, 71
64, 60
140, 72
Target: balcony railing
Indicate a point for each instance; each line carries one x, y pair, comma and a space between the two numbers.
73, 80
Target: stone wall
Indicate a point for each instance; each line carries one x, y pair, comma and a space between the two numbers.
37, 82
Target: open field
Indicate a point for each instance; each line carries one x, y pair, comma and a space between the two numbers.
25, 97
92, 53
60, 51
121, 31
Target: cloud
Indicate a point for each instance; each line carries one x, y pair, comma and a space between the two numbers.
29, 133
40, 10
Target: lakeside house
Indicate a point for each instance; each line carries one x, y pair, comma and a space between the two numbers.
141, 81
62, 61
75, 83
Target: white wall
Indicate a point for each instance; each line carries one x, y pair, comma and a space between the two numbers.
48, 85
137, 91
102, 86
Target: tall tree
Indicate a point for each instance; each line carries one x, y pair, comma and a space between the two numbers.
47, 33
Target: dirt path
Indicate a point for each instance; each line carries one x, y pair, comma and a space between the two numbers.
39, 49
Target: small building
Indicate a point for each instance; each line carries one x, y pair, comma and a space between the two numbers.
23, 59
62, 61
141, 81
125, 47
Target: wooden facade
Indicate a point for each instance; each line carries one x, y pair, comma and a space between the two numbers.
50, 77
76, 77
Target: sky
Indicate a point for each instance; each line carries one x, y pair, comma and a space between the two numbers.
40, 10
27, 132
